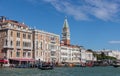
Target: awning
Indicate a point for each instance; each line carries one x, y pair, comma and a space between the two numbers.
3, 61
19, 59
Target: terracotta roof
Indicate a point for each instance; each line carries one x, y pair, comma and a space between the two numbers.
13, 22
72, 46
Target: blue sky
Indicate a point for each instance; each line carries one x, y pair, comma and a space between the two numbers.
94, 24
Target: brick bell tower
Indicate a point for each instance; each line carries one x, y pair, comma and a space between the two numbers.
66, 33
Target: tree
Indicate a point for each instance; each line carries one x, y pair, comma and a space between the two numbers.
90, 50
94, 54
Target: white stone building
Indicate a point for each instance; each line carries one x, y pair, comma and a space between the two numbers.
113, 53
90, 56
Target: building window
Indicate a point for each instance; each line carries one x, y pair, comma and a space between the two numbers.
52, 53
41, 45
18, 34
89, 55
6, 42
6, 33
29, 44
19, 27
12, 25
24, 36
18, 43
29, 36
23, 44
37, 53
29, 54
11, 33
36, 44
11, 43
11, 53
52, 38
17, 54
24, 54
53, 47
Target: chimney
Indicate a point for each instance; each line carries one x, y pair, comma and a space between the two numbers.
3, 18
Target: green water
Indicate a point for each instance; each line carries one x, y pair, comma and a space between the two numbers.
62, 71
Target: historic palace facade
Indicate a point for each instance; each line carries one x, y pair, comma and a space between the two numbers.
16, 40
46, 46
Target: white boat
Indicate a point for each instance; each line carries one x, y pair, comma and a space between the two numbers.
116, 64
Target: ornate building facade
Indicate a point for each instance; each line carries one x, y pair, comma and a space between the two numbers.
16, 40
46, 46
20, 44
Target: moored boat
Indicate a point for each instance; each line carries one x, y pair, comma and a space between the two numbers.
46, 67
116, 64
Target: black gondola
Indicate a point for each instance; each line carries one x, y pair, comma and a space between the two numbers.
45, 67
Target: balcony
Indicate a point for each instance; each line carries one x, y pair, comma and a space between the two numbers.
53, 41
18, 47
28, 48
53, 49
53, 56
7, 46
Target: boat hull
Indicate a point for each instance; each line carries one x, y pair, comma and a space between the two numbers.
46, 67
116, 65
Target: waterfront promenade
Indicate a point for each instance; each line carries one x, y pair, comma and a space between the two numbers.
62, 71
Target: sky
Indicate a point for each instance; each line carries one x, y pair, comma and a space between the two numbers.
94, 24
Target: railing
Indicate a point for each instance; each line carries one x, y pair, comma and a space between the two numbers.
7, 46
27, 47
53, 41
18, 47
53, 49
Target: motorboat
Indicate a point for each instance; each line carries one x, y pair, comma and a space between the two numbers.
116, 64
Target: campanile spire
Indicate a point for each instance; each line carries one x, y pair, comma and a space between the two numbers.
66, 32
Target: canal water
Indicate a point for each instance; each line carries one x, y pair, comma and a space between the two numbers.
62, 71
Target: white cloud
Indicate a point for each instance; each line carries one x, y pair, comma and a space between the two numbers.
107, 10
104, 9
68, 8
114, 42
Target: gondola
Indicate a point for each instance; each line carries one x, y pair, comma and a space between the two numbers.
45, 67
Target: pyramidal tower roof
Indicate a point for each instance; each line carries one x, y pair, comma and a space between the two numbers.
65, 25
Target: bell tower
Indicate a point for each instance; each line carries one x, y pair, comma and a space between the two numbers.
66, 33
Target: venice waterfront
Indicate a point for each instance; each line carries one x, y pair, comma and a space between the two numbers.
62, 71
